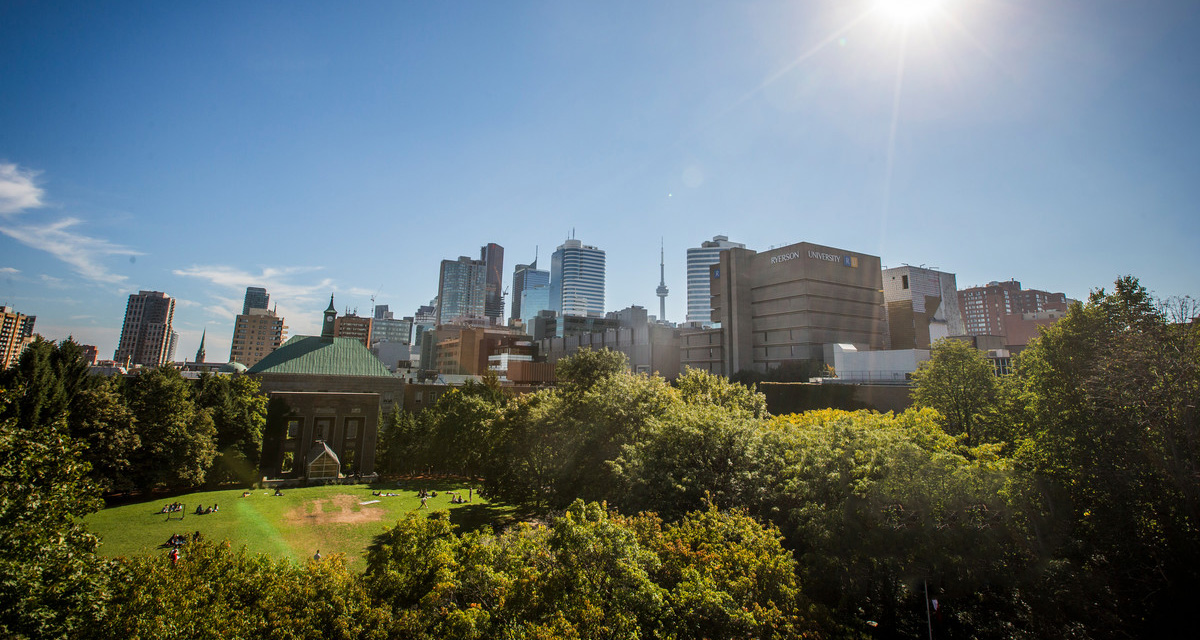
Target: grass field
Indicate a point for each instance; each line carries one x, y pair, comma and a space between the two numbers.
295, 525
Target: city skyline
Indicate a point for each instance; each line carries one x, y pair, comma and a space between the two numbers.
201, 150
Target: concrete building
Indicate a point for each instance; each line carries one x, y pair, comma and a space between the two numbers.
577, 274
527, 277
461, 290
16, 332
984, 308
699, 259
146, 334
255, 335
650, 347
922, 306
256, 298
468, 352
786, 304
890, 366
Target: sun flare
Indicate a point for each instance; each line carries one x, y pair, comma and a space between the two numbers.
908, 11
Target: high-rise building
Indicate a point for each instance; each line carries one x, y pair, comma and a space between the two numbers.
256, 298
922, 306
255, 335
534, 300
492, 257
16, 332
577, 279
699, 259
526, 276
146, 335
984, 308
461, 289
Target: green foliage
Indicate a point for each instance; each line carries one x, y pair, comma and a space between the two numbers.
556, 446
106, 429
239, 413
590, 574
874, 504
49, 376
701, 387
585, 368
213, 592
691, 455
960, 384
178, 438
1115, 452
51, 584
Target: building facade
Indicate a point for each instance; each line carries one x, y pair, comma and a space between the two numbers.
922, 306
577, 274
146, 334
387, 328
354, 326
16, 332
461, 289
984, 308
255, 335
784, 305
699, 259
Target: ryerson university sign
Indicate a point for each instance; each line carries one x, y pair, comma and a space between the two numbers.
849, 261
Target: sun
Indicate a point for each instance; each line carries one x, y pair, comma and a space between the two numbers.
908, 11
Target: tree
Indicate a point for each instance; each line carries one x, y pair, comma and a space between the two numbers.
585, 368
49, 376
959, 383
51, 583
178, 438
215, 592
239, 413
107, 433
1113, 456
697, 386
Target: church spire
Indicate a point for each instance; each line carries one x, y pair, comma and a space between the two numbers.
200, 351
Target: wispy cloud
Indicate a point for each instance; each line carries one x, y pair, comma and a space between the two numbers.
291, 288
9, 271
83, 253
18, 192
279, 282
61, 238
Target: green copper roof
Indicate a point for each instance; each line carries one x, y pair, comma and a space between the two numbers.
310, 355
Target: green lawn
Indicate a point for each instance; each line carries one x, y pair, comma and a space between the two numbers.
295, 525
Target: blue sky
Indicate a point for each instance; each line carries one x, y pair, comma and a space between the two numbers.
199, 148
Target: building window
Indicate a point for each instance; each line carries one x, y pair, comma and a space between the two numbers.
293, 428
903, 282
321, 428
353, 425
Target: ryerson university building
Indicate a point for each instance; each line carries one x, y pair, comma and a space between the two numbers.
786, 304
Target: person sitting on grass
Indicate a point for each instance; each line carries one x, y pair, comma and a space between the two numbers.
199, 510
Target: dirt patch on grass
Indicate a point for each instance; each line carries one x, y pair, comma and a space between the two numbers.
338, 509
